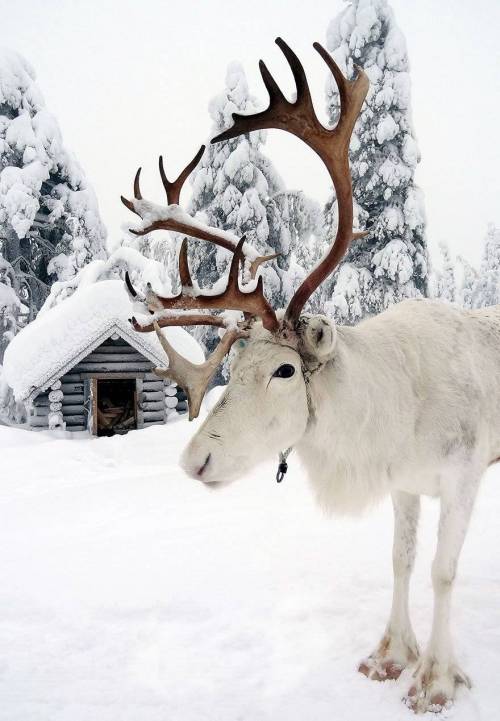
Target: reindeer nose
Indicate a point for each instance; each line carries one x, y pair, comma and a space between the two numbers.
201, 470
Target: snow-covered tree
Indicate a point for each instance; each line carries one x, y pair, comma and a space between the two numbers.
443, 280
486, 290
467, 282
391, 262
234, 188
11, 307
49, 220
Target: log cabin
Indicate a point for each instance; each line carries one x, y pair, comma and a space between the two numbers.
81, 367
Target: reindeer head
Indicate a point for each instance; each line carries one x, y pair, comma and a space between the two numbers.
266, 405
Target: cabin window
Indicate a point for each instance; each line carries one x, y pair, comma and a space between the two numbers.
115, 406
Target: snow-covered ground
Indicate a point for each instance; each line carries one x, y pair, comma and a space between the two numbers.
130, 593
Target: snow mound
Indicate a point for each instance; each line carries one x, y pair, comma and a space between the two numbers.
59, 338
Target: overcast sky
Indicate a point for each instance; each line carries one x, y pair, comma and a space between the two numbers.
129, 80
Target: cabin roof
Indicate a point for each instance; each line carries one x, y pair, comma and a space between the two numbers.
59, 338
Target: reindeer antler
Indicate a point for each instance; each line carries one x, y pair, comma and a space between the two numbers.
232, 297
174, 218
251, 301
332, 146
194, 378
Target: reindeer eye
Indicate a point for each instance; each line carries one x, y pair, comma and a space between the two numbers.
284, 371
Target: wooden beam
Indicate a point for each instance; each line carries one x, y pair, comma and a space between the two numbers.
152, 396
147, 406
72, 398
68, 388
110, 376
76, 420
154, 416
110, 367
113, 359
72, 410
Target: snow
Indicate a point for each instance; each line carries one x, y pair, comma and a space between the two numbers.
131, 592
54, 342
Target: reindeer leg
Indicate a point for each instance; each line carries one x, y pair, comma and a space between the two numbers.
398, 646
437, 674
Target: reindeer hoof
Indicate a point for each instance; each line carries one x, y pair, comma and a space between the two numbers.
377, 670
418, 701
434, 689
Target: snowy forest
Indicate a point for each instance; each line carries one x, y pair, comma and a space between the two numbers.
53, 241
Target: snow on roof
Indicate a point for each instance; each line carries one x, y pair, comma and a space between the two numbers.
58, 339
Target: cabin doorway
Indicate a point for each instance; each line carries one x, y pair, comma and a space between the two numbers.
115, 406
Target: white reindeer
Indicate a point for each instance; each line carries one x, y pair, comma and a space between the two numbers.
405, 403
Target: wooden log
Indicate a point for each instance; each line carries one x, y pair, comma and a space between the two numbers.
181, 396
152, 396
72, 398
181, 407
154, 416
150, 376
68, 388
122, 367
152, 406
76, 420
40, 411
154, 423
114, 358
41, 402
39, 422
76, 428
152, 385
110, 375
76, 409
170, 390
71, 377
139, 411
171, 401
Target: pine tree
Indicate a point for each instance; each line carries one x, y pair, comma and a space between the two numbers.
234, 188
391, 262
11, 308
466, 287
49, 220
443, 281
487, 288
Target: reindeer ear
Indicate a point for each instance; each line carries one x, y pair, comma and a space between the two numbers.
318, 336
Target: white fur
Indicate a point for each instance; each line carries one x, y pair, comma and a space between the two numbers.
406, 403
